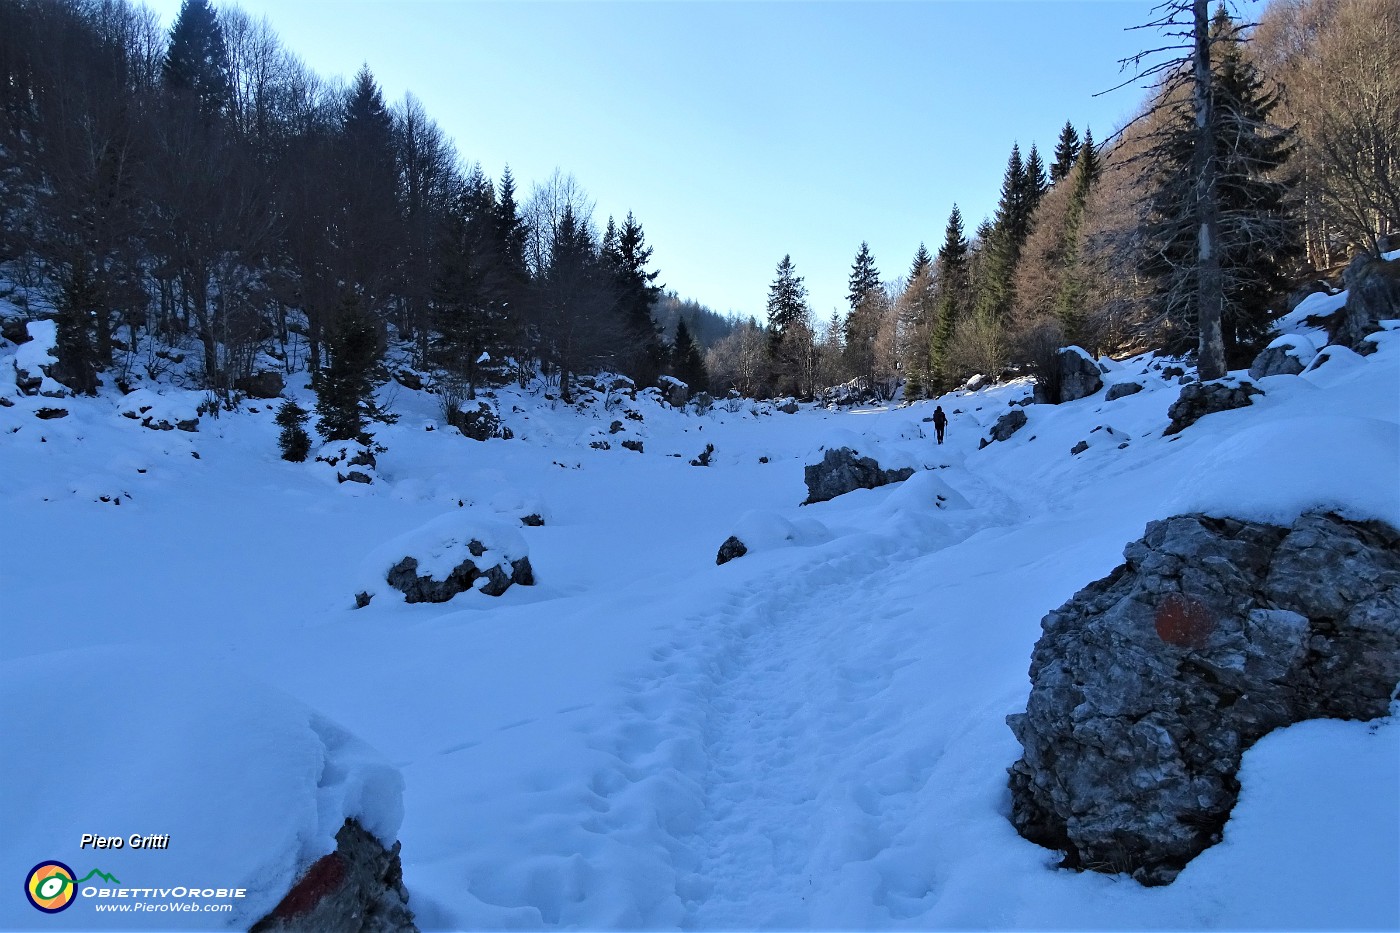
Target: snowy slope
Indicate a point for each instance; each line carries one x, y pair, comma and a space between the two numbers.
811, 736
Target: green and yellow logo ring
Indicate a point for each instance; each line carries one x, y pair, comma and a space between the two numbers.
50, 887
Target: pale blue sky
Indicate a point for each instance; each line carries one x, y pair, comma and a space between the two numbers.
735, 131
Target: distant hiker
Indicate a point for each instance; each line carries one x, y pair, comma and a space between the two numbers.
940, 422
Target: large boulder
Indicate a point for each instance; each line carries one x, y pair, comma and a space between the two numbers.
842, 470
1077, 374
1008, 424
1288, 355
675, 392
1149, 685
1199, 399
1122, 390
1373, 295
358, 888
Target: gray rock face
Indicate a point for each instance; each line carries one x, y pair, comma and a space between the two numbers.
265, 384
1199, 399
730, 549
1122, 390
1148, 685
1079, 376
843, 470
1275, 361
1373, 296
417, 588
1008, 424
358, 888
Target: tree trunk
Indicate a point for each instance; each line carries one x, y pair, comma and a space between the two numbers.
1210, 291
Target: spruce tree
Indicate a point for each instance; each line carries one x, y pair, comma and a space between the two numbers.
1255, 233
1035, 184
1070, 296
922, 261
470, 313
345, 393
952, 298
369, 242
1089, 155
787, 299
864, 276
293, 440
687, 363
196, 63
637, 292
1001, 250
1066, 153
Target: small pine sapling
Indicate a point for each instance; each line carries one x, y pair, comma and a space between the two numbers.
294, 441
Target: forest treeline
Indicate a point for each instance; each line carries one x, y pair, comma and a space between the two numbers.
202, 188
1095, 244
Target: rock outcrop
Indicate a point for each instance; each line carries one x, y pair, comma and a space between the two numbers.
1199, 399
842, 470
1078, 374
358, 888
1373, 295
1149, 685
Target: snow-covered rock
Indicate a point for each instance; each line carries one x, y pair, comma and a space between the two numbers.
245, 786
1287, 355
35, 359
1373, 295
455, 553
1199, 399
1149, 684
1078, 376
844, 470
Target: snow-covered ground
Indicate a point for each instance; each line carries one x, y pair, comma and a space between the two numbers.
810, 736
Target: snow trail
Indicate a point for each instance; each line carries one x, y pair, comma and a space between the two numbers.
765, 749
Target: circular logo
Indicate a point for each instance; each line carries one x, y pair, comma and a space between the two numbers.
49, 887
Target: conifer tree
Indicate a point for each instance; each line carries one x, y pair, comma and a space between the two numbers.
1035, 184
197, 63
922, 261
1066, 153
787, 299
686, 361
1089, 155
1254, 233
864, 276
1071, 294
1001, 250
952, 297
292, 440
368, 239
471, 295
345, 393
637, 292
